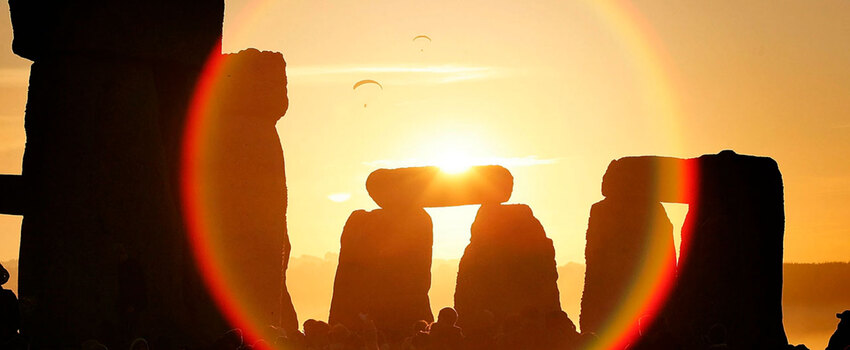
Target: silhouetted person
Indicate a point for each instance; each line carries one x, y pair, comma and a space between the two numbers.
316, 334
840, 340
418, 338
444, 333
10, 314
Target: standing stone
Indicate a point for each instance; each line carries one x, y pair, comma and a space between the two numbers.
384, 270
629, 245
508, 267
244, 166
730, 268
108, 93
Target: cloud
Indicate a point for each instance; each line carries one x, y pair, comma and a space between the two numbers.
339, 197
508, 162
394, 74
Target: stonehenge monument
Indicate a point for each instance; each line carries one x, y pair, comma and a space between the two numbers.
385, 254
104, 247
730, 264
104, 250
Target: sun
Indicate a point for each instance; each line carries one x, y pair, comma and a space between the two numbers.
454, 152
454, 163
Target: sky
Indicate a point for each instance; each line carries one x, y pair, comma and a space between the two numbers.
552, 90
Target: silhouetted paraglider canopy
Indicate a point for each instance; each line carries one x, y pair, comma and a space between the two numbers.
367, 81
421, 37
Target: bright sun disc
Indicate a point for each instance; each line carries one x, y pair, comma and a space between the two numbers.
454, 163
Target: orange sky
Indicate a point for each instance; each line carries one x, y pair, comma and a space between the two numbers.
553, 90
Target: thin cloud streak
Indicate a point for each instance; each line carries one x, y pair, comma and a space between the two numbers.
394, 74
324, 70
339, 197
508, 162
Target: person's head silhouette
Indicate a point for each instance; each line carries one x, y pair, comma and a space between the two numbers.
447, 315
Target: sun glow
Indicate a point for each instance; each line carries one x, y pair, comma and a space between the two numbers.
455, 163
454, 153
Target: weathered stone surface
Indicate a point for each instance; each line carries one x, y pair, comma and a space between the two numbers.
629, 245
421, 187
104, 252
244, 170
102, 186
508, 266
730, 266
252, 89
384, 269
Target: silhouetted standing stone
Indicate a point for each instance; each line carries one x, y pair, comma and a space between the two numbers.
247, 183
384, 269
730, 268
625, 238
108, 93
508, 266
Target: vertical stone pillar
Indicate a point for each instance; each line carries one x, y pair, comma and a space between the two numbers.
731, 255
247, 184
384, 269
103, 251
629, 243
508, 267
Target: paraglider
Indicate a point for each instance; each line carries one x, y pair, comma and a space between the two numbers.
370, 94
367, 81
422, 41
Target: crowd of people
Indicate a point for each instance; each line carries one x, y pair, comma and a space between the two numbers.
552, 331
529, 331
